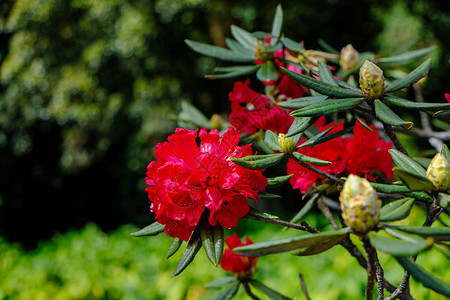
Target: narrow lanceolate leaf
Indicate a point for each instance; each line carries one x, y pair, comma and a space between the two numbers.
397, 101
396, 210
389, 188
190, 113
174, 247
325, 74
397, 247
233, 72
238, 48
288, 244
277, 23
409, 79
152, 229
443, 200
407, 163
314, 138
299, 125
402, 235
301, 102
257, 162
306, 208
327, 107
446, 152
259, 215
271, 139
421, 196
413, 181
319, 248
385, 114
360, 120
407, 56
327, 46
311, 160
322, 139
422, 275
269, 292
192, 248
220, 282
212, 241
267, 72
266, 195
244, 37
277, 181
292, 45
230, 291
219, 52
321, 86
437, 233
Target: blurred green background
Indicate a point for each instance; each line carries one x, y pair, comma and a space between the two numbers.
87, 89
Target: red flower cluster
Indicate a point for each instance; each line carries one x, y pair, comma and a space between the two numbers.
447, 97
242, 267
251, 111
187, 178
364, 154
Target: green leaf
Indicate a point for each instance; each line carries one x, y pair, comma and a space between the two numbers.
405, 162
325, 73
443, 251
443, 200
277, 23
271, 139
301, 102
266, 195
389, 188
305, 209
409, 79
311, 160
437, 233
238, 48
396, 210
360, 120
152, 229
277, 181
402, 235
385, 114
272, 294
421, 196
220, 282
244, 37
267, 72
288, 244
191, 114
233, 72
393, 100
212, 241
292, 45
406, 57
321, 86
397, 247
259, 215
445, 152
257, 162
319, 248
299, 125
422, 275
413, 181
219, 52
230, 291
327, 46
327, 107
174, 247
192, 248
318, 139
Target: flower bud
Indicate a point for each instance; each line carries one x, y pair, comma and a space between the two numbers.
216, 122
360, 204
349, 58
261, 53
438, 172
286, 143
371, 80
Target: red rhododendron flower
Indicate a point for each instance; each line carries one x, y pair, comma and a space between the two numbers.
188, 178
364, 154
243, 267
251, 111
447, 96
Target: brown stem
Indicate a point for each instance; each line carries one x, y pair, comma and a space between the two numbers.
394, 138
303, 284
327, 212
249, 291
318, 171
283, 223
370, 267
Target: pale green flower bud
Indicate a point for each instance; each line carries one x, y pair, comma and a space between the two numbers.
438, 172
216, 122
360, 204
371, 80
261, 47
349, 58
286, 143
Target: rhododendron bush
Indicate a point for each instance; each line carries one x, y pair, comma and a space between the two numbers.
329, 119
